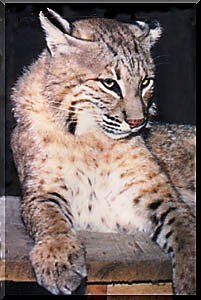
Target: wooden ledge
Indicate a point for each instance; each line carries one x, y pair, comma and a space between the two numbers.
116, 263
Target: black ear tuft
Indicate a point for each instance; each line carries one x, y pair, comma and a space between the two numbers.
59, 22
146, 32
153, 24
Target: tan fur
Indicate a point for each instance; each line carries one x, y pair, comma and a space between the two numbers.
96, 175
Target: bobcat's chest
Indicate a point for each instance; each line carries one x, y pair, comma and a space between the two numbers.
101, 199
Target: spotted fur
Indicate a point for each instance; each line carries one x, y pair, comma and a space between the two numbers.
82, 160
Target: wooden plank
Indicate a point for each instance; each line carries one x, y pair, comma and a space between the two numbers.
96, 289
110, 257
140, 289
119, 257
130, 289
138, 297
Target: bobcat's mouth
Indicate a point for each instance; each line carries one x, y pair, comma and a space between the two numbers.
117, 129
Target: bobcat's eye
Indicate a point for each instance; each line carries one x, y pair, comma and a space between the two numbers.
111, 85
147, 82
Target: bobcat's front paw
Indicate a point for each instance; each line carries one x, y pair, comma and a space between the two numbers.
59, 264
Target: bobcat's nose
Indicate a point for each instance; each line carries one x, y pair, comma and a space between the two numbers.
135, 123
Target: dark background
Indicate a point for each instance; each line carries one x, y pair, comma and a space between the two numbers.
175, 57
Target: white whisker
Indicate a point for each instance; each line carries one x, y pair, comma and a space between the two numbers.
159, 56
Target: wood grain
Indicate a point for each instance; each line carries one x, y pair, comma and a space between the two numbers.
140, 289
111, 258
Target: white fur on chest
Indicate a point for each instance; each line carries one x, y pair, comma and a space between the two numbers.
100, 202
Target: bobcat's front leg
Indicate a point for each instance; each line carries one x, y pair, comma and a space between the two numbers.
57, 257
174, 231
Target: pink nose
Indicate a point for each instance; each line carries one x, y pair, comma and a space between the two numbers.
135, 123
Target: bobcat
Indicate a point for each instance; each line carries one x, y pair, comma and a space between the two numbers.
82, 159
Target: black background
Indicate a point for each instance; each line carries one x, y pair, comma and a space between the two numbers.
175, 57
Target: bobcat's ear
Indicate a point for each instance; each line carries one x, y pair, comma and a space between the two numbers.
63, 22
144, 33
55, 38
154, 34
59, 42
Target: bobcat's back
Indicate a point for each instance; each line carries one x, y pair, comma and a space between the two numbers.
174, 147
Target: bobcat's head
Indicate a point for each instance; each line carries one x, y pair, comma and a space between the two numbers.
101, 74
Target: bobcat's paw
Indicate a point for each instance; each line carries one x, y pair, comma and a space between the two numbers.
59, 264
